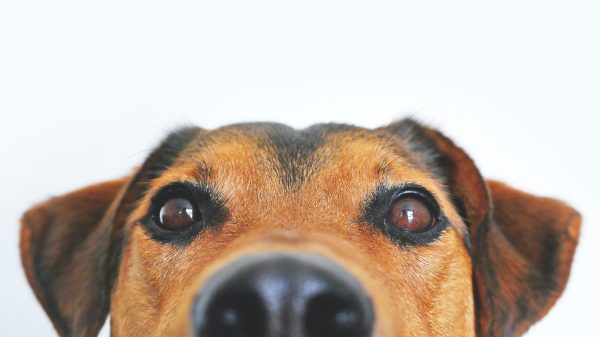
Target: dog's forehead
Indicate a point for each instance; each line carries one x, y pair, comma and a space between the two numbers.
292, 156
289, 154
276, 168
296, 157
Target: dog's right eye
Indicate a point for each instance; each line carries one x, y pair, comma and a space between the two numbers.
181, 210
177, 214
176, 208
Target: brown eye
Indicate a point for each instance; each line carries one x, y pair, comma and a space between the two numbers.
412, 214
176, 214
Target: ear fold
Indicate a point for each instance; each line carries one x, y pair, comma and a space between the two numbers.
65, 249
522, 246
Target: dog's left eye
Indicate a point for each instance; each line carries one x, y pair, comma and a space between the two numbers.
409, 214
176, 214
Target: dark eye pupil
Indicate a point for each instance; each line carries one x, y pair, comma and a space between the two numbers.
410, 214
177, 213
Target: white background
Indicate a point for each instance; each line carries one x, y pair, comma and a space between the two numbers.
87, 89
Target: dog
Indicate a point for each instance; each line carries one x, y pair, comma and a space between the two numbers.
261, 230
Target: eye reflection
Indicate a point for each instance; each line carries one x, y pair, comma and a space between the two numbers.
411, 214
176, 214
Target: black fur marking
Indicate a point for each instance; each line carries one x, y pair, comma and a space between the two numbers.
487, 270
379, 204
295, 150
164, 156
41, 269
547, 266
421, 145
158, 161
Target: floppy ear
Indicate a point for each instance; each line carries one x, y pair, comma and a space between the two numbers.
70, 245
522, 245
526, 257
65, 244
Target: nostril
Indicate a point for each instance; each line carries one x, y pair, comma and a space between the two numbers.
235, 313
334, 315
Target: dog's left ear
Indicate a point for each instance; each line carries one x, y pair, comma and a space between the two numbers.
522, 245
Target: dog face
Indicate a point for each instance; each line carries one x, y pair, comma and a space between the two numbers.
262, 230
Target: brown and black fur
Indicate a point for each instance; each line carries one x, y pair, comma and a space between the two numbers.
498, 266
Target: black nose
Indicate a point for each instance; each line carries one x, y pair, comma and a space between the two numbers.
283, 295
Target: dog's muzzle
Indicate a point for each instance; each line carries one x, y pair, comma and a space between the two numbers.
282, 295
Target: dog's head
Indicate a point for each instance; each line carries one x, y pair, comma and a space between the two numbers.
258, 230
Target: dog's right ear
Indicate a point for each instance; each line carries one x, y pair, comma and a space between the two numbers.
65, 252
70, 245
